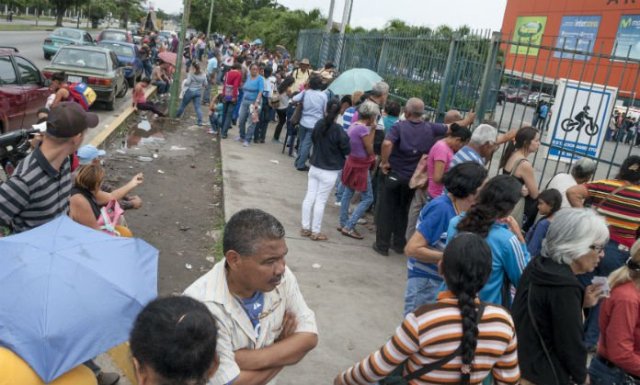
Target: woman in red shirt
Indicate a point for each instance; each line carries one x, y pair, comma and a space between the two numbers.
618, 358
232, 82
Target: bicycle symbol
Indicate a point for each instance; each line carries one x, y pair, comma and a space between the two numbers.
580, 121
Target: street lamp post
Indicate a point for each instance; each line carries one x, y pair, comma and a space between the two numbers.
173, 103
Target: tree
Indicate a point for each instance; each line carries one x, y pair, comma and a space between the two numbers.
61, 7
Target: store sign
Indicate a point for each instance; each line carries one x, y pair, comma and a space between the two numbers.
582, 113
628, 38
577, 33
529, 30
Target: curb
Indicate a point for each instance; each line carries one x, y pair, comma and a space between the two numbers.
108, 131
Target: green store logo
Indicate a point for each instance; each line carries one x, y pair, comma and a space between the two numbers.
530, 29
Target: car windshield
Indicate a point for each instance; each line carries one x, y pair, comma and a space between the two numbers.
113, 36
120, 50
81, 58
67, 34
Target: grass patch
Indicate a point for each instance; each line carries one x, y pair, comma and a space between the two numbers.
25, 27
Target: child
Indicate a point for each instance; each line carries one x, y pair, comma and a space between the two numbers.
139, 100
215, 111
392, 114
549, 202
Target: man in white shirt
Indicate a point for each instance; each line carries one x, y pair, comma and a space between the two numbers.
581, 172
264, 323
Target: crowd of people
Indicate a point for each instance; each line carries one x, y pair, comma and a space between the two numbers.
501, 272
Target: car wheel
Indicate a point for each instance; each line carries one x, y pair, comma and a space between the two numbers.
123, 91
47, 56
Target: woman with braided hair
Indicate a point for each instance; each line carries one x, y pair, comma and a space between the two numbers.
490, 217
456, 336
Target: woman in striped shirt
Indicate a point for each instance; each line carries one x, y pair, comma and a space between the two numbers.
485, 339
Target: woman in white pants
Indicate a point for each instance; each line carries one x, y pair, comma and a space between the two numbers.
330, 148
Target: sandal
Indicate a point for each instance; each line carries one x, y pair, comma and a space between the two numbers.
318, 237
305, 233
352, 234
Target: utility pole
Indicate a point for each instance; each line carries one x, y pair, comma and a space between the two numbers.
346, 17
326, 37
175, 85
209, 24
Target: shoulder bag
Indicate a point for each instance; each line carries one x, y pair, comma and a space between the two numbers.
296, 117
396, 377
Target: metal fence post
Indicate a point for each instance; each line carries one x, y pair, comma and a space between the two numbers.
488, 76
446, 78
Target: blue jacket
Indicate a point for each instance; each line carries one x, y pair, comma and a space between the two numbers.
510, 257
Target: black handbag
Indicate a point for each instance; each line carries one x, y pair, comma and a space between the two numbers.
396, 377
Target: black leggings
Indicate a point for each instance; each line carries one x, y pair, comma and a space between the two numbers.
282, 119
147, 106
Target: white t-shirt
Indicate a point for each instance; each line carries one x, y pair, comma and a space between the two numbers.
562, 182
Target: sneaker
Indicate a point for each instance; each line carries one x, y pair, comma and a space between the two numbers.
238, 139
362, 221
245, 144
337, 204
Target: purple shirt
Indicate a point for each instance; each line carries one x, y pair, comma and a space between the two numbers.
356, 133
410, 141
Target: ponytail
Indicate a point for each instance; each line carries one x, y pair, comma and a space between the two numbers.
496, 200
466, 266
523, 139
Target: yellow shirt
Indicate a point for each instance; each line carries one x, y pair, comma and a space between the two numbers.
14, 371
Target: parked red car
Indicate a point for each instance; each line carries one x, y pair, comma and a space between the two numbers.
23, 90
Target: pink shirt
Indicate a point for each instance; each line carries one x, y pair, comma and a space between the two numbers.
439, 152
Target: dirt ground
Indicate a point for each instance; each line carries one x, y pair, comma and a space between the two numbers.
183, 210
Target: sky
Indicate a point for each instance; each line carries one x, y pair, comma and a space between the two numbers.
477, 14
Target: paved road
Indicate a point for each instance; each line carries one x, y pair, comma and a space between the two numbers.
30, 45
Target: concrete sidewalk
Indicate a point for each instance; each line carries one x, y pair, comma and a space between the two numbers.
357, 295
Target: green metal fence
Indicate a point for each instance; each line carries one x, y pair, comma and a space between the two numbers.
500, 79
443, 71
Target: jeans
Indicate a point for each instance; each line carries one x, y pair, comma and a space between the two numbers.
214, 121
319, 185
191, 95
420, 291
613, 259
246, 135
601, 374
236, 109
227, 111
340, 187
206, 94
148, 68
163, 87
305, 134
392, 212
243, 115
366, 198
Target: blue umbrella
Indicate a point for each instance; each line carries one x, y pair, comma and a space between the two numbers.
357, 79
257, 42
70, 293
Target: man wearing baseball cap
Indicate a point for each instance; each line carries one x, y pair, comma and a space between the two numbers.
38, 191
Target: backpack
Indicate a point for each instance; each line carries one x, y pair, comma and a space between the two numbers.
82, 94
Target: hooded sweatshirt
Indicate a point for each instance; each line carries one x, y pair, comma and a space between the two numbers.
555, 296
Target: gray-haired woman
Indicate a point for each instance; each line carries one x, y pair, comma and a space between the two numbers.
548, 306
